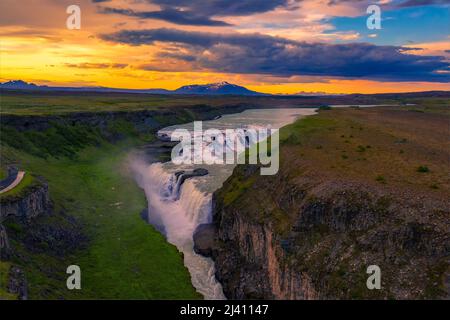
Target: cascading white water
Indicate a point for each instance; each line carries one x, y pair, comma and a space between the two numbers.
177, 209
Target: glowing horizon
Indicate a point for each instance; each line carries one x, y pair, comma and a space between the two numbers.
36, 46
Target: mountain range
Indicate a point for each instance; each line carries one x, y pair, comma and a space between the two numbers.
220, 88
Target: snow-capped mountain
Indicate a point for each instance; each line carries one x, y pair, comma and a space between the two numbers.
219, 88
18, 85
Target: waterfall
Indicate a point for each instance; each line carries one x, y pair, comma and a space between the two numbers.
176, 210
176, 206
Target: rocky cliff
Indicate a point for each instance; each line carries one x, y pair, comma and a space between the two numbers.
36, 247
317, 242
28, 204
349, 194
22, 208
35, 200
142, 120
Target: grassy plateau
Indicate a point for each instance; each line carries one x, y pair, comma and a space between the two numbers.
95, 220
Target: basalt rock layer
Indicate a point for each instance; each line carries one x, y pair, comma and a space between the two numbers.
286, 241
28, 205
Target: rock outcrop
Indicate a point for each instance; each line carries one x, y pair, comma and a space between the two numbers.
182, 176
17, 283
205, 240
4, 243
29, 204
306, 241
143, 120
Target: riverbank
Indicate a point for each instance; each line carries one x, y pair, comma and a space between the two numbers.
356, 187
94, 221
94, 218
177, 206
121, 256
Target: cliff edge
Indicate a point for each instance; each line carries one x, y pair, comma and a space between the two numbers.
351, 192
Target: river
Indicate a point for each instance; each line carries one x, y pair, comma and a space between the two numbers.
177, 209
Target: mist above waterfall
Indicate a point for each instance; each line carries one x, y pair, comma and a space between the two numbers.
177, 206
176, 210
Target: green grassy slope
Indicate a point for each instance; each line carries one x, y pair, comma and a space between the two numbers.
64, 103
348, 164
363, 145
3, 173
124, 257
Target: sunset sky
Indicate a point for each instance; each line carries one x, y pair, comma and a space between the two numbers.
276, 46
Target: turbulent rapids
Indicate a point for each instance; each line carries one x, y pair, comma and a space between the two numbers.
179, 201
176, 210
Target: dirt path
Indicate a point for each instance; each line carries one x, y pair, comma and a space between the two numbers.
18, 179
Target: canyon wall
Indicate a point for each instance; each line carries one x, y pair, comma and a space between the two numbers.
142, 120
308, 240
35, 200
30, 203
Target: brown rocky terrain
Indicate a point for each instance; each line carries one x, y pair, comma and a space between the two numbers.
355, 188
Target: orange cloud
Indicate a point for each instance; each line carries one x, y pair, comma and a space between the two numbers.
37, 47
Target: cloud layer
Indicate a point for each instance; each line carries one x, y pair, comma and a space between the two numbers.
198, 12
276, 56
169, 15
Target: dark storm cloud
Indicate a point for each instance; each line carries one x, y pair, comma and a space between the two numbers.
169, 15
395, 4
262, 54
201, 12
198, 12
222, 7
203, 39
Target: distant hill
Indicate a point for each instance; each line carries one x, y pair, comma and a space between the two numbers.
18, 85
316, 94
22, 85
220, 88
